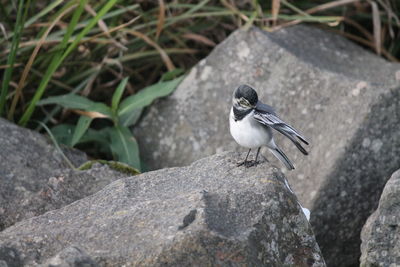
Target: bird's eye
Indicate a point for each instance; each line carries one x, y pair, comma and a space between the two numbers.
243, 102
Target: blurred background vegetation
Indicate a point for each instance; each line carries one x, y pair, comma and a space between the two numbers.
83, 71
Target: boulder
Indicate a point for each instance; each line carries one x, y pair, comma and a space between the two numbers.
344, 99
35, 178
211, 213
381, 234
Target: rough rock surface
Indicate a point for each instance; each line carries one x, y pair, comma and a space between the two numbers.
381, 234
71, 257
344, 99
210, 213
34, 178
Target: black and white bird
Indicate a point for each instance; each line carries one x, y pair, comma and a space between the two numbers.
251, 123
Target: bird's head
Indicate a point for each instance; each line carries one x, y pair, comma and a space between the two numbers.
245, 97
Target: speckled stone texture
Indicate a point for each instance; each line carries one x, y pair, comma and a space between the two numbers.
381, 234
211, 213
70, 257
34, 177
344, 99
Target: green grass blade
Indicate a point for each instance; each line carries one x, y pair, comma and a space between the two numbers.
56, 62
43, 12
72, 24
56, 145
80, 129
88, 27
73, 101
62, 133
130, 119
144, 54
57, 109
46, 11
11, 56
322, 19
295, 9
101, 137
124, 146
111, 14
197, 7
145, 96
172, 74
118, 94
250, 22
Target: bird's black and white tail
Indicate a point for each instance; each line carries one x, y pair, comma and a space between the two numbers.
292, 134
270, 119
282, 157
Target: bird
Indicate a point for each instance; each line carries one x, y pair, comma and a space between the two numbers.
252, 124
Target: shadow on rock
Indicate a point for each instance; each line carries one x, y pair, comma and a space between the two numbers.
352, 192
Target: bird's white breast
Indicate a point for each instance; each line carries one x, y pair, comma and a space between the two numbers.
247, 132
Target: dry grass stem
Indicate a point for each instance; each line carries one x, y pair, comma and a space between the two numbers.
168, 62
28, 65
104, 28
199, 38
376, 20
161, 18
276, 5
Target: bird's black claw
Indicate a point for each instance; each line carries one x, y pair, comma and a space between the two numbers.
248, 164
241, 163
251, 163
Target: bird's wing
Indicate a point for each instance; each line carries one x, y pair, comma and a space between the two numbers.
265, 108
276, 123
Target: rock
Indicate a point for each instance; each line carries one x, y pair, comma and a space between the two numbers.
344, 99
381, 234
71, 257
34, 177
9, 257
28, 153
210, 213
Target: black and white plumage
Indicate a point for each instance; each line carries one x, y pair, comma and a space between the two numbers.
252, 123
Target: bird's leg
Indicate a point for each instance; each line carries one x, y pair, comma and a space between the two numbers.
253, 162
258, 151
245, 161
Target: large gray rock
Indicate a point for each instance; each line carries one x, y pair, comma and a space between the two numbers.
34, 178
381, 234
210, 213
345, 100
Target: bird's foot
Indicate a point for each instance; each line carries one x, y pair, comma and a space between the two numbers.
248, 164
240, 163
251, 163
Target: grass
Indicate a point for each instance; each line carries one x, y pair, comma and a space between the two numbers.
87, 49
